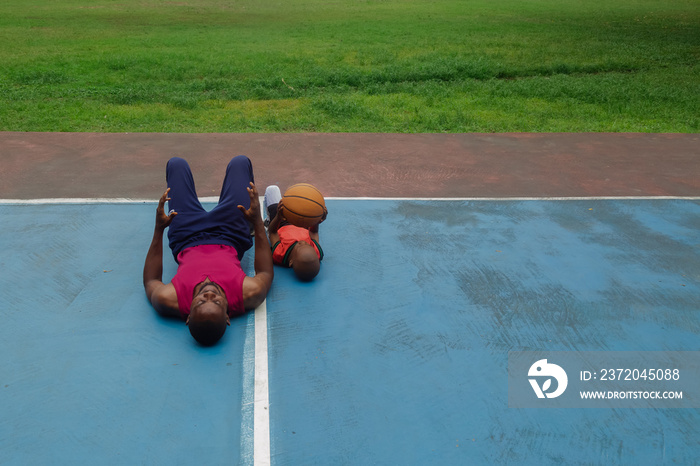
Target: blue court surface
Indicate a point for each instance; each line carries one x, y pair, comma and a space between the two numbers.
396, 354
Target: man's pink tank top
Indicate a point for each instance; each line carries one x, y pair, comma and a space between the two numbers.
218, 262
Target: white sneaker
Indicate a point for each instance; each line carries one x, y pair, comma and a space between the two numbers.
272, 196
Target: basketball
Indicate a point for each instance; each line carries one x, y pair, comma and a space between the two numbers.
304, 205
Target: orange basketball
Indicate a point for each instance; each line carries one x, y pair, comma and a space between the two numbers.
304, 205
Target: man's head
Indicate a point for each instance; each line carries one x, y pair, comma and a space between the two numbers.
208, 314
305, 262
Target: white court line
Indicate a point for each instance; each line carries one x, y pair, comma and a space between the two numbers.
90, 200
573, 198
261, 405
261, 396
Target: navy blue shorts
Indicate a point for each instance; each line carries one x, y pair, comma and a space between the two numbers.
225, 223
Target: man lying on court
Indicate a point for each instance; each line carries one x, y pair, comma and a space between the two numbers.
209, 286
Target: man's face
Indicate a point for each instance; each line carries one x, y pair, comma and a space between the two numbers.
209, 303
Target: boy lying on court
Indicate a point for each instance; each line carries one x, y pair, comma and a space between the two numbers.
292, 246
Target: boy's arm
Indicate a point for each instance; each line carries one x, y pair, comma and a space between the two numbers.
275, 222
313, 231
274, 225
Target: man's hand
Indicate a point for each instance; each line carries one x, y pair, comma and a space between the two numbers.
253, 213
162, 297
163, 220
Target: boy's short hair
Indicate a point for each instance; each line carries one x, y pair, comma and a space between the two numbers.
306, 263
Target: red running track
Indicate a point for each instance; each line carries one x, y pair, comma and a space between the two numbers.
132, 165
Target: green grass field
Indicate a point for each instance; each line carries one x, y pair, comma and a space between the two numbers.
350, 65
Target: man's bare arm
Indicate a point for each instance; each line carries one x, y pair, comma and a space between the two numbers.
255, 288
161, 296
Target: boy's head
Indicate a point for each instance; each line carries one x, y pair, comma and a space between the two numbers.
304, 261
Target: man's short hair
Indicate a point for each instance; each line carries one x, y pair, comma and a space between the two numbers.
207, 333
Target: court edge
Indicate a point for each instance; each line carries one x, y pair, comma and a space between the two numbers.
118, 200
